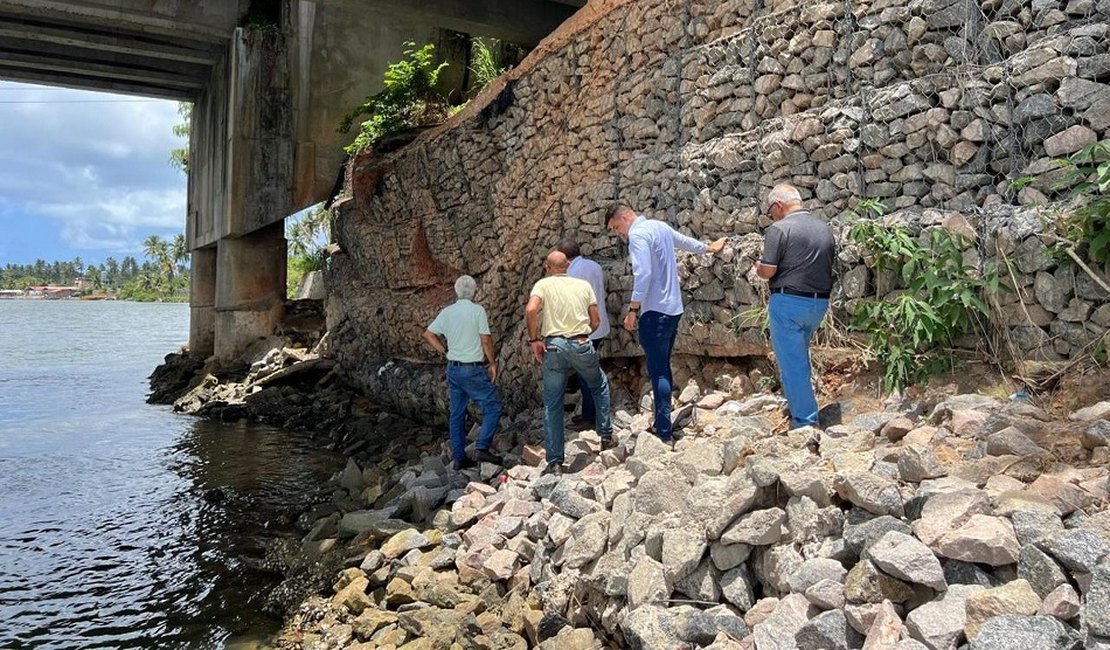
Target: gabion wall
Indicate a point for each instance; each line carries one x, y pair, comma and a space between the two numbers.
690, 111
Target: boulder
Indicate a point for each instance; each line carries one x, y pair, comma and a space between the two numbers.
904, 557
982, 539
1015, 597
1026, 633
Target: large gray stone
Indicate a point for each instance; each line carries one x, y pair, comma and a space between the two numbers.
587, 541
683, 549
903, 556
759, 528
738, 587
1026, 633
647, 583
939, 624
859, 536
571, 503
1096, 611
1078, 549
1016, 598
650, 627
777, 631
828, 630
1096, 435
871, 492
815, 570
1042, 572
1012, 442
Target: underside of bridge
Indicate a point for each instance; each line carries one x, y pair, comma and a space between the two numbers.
269, 81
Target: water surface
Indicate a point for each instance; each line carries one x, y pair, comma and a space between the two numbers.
124, 525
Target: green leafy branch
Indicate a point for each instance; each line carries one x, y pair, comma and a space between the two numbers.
408, 99
943, 298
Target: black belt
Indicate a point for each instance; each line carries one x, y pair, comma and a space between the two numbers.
816, 295
466, 363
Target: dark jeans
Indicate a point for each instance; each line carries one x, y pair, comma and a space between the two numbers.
471, 383
657, 334
589, 408
565, 358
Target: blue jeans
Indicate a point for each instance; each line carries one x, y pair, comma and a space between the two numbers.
563, 357
794, 319
471, 383
589, 408
657, 334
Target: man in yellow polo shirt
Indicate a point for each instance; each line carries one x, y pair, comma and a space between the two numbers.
561, 314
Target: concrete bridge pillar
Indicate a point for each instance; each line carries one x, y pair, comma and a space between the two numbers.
202, 301
250, 289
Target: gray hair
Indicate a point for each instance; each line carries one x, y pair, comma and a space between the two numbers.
784, 193
465, 287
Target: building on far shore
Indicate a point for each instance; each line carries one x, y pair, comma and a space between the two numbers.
8, 294
51, 292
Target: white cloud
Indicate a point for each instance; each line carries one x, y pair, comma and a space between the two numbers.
93, 164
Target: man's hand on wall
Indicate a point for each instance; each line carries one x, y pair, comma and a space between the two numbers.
491, 370
630, 321
538, 350
717, 246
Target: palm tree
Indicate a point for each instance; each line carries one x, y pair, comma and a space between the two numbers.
179, 251
157, 250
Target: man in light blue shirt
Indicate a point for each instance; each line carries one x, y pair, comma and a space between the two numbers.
471, 370
656, 296
586, 269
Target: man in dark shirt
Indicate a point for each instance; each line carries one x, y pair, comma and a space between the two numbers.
798, 256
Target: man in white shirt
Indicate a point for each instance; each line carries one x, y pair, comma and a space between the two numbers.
586, 269
471, 371
656, 297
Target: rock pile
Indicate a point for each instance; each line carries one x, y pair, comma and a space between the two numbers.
973, 521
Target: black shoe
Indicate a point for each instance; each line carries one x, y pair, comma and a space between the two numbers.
465, 463
487, 456
608, 442
554, 469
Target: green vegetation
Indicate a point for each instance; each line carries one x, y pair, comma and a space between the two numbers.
912, 334
1086, 227
179, 157
408, 100
487, 62
306, 236
162, 277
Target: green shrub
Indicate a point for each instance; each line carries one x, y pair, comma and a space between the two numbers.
408, 99
1087, 226
912, 334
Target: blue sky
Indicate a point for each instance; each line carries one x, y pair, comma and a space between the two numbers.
85, 174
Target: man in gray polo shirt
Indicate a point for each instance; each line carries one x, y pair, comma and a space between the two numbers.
798, 256
471, 370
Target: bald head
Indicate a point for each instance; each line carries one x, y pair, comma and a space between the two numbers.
557, 262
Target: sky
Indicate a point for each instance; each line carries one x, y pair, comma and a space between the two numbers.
85, 174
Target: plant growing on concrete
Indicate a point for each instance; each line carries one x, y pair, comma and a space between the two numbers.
912, 334
408, 99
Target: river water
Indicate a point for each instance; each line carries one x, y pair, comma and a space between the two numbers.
124, 525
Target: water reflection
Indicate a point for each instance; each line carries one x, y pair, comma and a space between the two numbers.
149, 542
